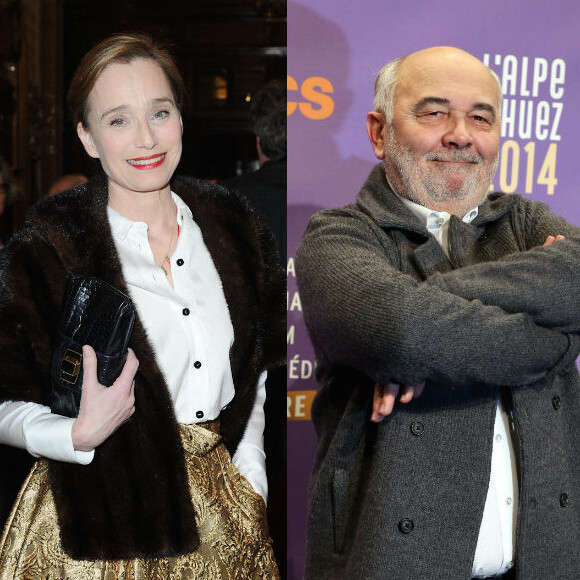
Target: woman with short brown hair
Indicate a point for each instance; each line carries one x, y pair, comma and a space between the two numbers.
162, 474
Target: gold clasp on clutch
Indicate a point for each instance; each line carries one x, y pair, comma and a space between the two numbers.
71, 365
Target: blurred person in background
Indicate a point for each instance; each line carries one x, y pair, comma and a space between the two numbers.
266, 188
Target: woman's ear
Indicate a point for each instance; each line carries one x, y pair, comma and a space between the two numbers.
87, 140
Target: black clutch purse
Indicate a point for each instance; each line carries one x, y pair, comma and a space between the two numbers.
93, 313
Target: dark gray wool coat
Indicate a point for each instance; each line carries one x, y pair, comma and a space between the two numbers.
133, 499
404, 499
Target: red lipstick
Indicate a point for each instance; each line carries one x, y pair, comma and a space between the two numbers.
150, 162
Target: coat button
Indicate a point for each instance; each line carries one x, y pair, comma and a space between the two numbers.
185, 312
197, 364
406, 526
564, 500
199, 414
556, 402
180, 262
417, 428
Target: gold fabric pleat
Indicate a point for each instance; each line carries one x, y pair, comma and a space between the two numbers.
230, 515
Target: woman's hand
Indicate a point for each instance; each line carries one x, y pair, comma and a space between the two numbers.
385, 396
103, 409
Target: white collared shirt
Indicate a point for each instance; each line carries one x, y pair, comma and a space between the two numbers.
190, 329
495, 549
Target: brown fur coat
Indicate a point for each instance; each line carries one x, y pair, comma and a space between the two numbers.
132, 500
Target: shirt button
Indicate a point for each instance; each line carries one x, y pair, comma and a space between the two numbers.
509, 501
498, 438
417, 428
185, 312
564, 500
406, 526
180, 262
199, 414
556, 402
197, 364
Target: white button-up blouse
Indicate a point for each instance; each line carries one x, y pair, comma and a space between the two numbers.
190, 329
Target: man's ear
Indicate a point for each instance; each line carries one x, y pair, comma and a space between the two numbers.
375, 127
87, 140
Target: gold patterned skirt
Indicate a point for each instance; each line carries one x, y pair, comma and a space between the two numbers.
230, 515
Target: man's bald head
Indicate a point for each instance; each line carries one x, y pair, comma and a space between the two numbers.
390, 76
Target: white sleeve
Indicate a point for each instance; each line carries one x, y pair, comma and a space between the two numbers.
33, 427
249, 457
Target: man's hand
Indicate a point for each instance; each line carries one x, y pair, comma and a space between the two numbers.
103, 409
385, 396
552, 239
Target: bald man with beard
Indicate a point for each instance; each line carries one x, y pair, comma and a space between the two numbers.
445, 321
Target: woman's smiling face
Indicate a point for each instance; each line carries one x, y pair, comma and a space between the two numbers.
134, 126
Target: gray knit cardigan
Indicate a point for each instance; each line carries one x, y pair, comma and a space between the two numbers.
382, 302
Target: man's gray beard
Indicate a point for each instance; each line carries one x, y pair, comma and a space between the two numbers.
421, 188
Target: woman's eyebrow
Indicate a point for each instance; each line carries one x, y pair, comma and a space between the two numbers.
121, 108
114, 110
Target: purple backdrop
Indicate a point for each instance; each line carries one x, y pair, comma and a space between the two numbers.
335, 48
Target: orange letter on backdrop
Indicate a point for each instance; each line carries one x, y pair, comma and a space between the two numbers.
310, 93
292, 85
313, 89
